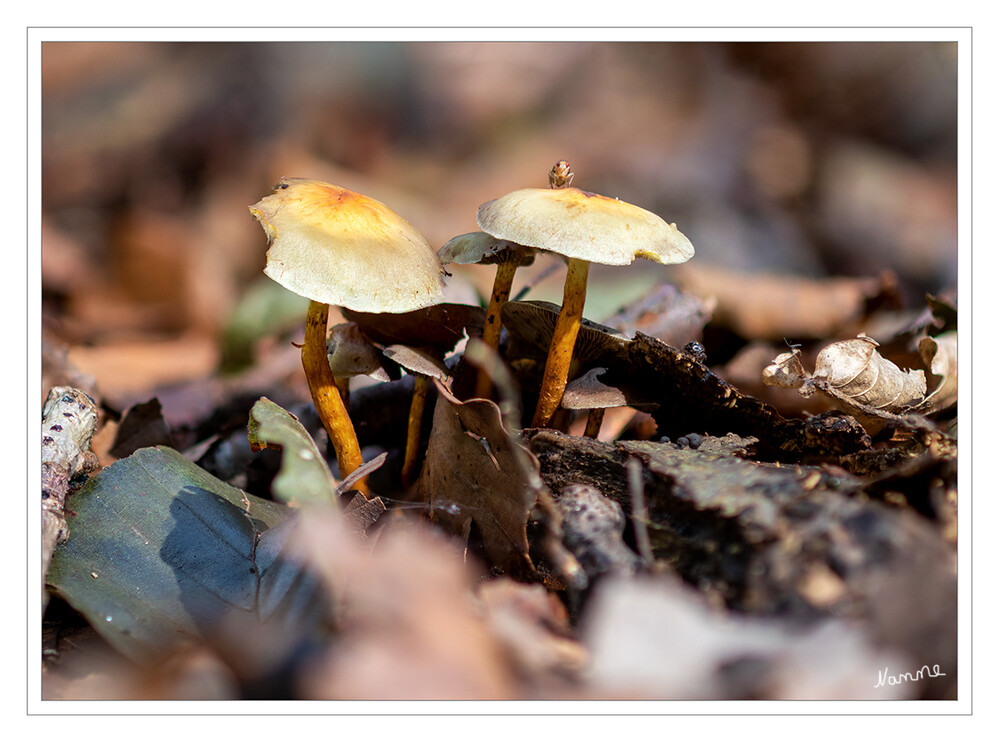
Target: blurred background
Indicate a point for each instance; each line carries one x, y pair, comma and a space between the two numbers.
808, 159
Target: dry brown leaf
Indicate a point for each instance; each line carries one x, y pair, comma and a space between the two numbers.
856, 369
772, 307
940, 356
533, 626
855, 378
407, 624
474, 472
667, 313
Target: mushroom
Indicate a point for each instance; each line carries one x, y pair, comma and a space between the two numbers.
583, 227
334, 246
484, 249
593, 395
423, 365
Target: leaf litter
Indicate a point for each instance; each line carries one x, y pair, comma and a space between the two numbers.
758, 514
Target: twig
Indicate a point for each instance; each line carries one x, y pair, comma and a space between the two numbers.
639, 515
69, 419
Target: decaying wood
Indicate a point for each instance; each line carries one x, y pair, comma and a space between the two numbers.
69, 420
693, 398
792, 541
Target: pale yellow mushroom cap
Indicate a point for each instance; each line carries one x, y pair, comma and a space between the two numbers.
479, 247
583, 225
339, 247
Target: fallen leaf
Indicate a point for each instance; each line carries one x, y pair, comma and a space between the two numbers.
773, 307
940, 356
162, 554
675, 317
856, 370
856, 379
304, 477
474, 472
408, 627
676, 647
533, 627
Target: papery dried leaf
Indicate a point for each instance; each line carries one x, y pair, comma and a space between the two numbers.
857, 380
786, 371
940, 356
855, 369
564, 566
350, 353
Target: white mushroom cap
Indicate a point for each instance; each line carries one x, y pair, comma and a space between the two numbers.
479, 247
339, 247
583, 225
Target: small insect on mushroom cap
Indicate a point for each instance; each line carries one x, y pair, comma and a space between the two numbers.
583, 225
560, 176
339, 247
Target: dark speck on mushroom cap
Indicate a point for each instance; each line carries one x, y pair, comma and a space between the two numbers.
583, 225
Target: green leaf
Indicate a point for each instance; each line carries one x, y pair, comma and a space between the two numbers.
265, 309
161, 552
304, 477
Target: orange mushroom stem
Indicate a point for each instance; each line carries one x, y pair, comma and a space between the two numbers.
563, 342
502, 284
325, 396
409, 464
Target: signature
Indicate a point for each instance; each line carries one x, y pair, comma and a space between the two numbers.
905, 677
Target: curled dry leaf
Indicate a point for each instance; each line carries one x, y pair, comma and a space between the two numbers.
855, 378
351, 354
940, 356
417, 361
856, 369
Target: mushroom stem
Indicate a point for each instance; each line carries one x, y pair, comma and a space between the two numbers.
343, 387
325, 396
409, 468
491, 329
593, 421
563, 342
